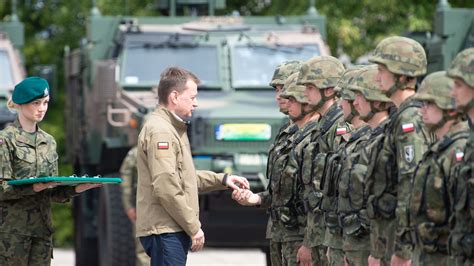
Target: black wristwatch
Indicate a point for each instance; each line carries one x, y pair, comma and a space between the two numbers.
224, 179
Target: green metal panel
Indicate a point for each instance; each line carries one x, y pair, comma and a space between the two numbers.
15, 31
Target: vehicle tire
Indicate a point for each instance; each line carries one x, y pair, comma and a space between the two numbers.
116, 242
85, 247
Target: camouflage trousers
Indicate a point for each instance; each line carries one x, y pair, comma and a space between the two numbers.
357, 257
289, 251
319, 255
335, 257
421, 258
275, 253
18, 250
459, 261
382, 239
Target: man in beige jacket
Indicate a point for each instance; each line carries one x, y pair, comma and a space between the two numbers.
168, 184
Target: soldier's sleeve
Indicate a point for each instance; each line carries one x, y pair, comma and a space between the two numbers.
411, 142
163, 152
59, 194
266, 199
126, 173
209, 181
10, 192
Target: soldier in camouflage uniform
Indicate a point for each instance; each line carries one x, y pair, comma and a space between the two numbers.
26, 151
430, 195
356, 178
335, 160
288, 217
320, 75
461, 238
400, 61
277, 156
129, 174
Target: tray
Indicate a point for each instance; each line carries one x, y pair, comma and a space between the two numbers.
65, 180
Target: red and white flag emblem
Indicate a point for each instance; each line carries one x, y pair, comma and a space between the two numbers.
459, 156
409, 127
341, 131
163, 145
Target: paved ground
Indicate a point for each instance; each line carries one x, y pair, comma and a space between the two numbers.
206, 257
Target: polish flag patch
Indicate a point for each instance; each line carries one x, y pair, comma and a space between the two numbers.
459, 156
341, 131
409, 127
163, 145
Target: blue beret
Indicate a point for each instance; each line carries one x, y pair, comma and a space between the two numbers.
30, 89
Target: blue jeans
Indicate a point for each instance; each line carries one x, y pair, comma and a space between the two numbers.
169, 249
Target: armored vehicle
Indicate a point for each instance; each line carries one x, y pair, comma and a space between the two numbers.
11, 63
111, 84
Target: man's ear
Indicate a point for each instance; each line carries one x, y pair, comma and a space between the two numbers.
173, 97
329, 92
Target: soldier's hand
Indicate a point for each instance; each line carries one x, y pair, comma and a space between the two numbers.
197, 241
396, 260
37, 187
303, 257
132, 214
373, 261
246, 197
232, 180
86, 186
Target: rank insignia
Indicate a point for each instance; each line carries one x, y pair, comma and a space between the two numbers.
163, 145
409, 127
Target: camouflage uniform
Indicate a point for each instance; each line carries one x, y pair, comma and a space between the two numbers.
129, 174
430, 195
277, 158
26, 227
405, 143
461, 237
323, 72
356, 176
288, 221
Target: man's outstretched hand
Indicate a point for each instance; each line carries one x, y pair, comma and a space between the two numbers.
234, 181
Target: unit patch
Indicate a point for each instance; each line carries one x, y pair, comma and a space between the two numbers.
341, 131
459, 156
409, 153
163, 145
408, 127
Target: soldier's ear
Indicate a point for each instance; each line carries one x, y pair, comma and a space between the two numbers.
329, 92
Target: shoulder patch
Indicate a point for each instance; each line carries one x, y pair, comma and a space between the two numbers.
459, 156
409, 153
408, 127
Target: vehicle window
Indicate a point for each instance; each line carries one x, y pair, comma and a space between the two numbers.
253, 65
6, 78
144, 63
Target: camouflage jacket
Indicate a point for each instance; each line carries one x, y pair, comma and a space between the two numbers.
429, 207
129, 174
407, 139
323, 140
23, 211
461, 236
289, 209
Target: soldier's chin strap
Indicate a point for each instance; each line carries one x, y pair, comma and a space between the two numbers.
402, 85
323, 100
302, 113
374, 110
353, 112
465, 109
445, 118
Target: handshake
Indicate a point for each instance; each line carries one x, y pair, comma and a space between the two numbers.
242, 193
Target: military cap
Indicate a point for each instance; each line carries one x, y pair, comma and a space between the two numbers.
291, 89
341, 87
401, 55
463, 67
364, 83
283, 71
30, 89
436, 87
321, 71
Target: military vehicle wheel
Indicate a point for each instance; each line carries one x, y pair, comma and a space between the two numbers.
116, 243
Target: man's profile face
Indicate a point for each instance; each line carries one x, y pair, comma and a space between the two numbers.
384, 77
187, 100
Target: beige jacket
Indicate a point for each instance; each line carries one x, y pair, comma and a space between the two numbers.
168, 184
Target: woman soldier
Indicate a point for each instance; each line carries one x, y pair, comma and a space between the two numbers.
27, 151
